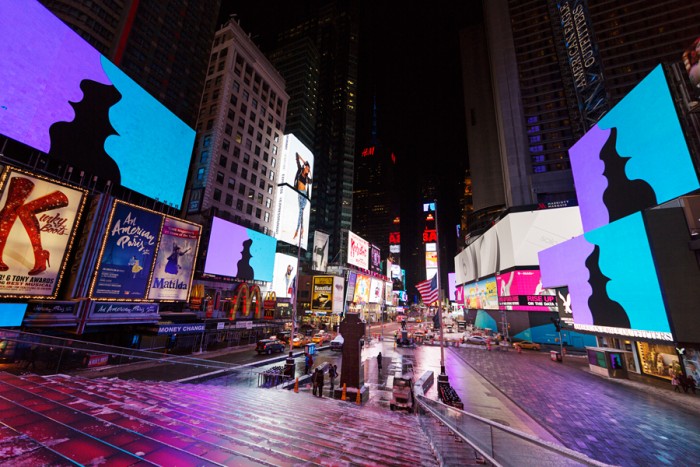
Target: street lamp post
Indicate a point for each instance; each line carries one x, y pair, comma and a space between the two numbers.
289, 365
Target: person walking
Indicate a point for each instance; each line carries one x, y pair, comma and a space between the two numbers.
308, 363
675, 383
379, 362
314, 381
319, 381
332, 373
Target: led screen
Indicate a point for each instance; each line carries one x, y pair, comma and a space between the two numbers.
292, 217
451, 285
60, 96
611, 278
338, 290
177, 251
37, 220
295, 155
350, 291
376, 290
362, 289
283, 275
375, 264
319, 254
12, 314
632, 159
358, 251
481, 295
522, 290
235, 251
128, 251
322, 293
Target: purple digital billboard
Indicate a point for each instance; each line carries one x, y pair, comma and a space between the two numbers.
235, 251
61, 96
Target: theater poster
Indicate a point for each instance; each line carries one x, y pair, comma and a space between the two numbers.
177, 252
37, 225
127, 255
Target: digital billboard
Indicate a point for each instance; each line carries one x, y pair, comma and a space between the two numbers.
358, 251
611, 279
322, 293
338, 289
350, 291
283, 276
12, 314
37, 223
62, 97
633, 159
362, 289
319, 255
235, 251
127, 254
295, 157
481, 295
292, 217
375, 259
522, 290
376, 290
451, 286
174, 268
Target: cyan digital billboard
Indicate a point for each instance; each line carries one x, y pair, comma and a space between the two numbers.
61, 96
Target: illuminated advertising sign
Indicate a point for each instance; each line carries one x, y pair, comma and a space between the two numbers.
12, 314
481, 295
388, 292
37, 227
451, 286
123, 312
394, 238
362, 289
319, 254
396, 271
235, 251
338, 289
358, 251
396, 249
283, 276
60, 96
322, 293
127, 254
431, 260
295, 157
375, 257
459, 294
429, 236
376, 290
292, 217
523, 291
616, 165
350, 291
612, 280
177, 252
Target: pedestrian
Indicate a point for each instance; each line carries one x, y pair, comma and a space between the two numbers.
379, 362
308, 363
691, 382
675, 383
314, 381
332, 373
319, 381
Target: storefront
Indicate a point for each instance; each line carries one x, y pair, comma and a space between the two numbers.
660, 360
606, 361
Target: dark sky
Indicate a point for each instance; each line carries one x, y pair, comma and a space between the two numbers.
409, 58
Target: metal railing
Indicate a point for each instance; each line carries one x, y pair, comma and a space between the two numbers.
498, 444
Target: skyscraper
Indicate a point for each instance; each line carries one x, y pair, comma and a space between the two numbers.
239, 135
556, 67
163, 46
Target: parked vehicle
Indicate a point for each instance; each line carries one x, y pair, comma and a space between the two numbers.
478, 340
337, 343
268, 346
402, 393
529, 345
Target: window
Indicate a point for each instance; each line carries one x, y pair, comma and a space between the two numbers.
272, 175
229, 199
258, 213
257, 150
233, 100
253, 178
268, 203
236, 152
234, 167
267, 143
246, 157
260, 198
274, 149
225, 145
231, 115
248, 143
251, 130
255, 103
266, 156
251, 193
231, 183
241, 122
244, 109
239, 137
236, 86
217, 194
210, 124
269, 189
263, 170
246, 95
241, 189
239, 204
228, 130
273, 163
221, 66
262, 184
267, 216
204, 157
200, 173
258, 137
244, 173
249, 209
206, 142
220, 177
223, 161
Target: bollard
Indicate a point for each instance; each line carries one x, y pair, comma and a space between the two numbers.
358, 399
343, 396
296, 385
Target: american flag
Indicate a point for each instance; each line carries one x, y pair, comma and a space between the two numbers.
428, 290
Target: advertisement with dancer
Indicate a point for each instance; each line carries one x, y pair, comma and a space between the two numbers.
177, 252
37, 222
127, 253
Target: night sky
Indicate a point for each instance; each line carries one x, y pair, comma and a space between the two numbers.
409, 58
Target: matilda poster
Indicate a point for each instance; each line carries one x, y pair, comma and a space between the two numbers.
175, 260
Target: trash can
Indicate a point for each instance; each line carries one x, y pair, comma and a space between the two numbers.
555, 356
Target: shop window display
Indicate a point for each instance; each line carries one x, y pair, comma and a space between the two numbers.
658, 360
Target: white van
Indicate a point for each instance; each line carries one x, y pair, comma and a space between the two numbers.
337, 343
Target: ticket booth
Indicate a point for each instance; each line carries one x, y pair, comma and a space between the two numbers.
606, 361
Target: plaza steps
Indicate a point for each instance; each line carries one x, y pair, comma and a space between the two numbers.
69, 420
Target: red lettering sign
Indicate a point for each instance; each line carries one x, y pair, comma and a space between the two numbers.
429, 236
394, 238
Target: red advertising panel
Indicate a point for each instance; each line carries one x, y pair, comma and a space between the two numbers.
38, 217
522, 290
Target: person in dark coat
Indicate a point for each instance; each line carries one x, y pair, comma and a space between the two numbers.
319, 381
332, 374
379, 362
314, 381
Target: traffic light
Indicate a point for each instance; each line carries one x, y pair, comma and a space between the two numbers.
557, 322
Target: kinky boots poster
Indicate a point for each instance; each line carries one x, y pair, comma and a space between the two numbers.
127, 254
37, 222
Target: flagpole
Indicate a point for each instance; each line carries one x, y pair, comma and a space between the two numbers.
439, 310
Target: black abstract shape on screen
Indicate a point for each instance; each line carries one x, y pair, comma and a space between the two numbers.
623, 196
80, 142
245, 270
605, 311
